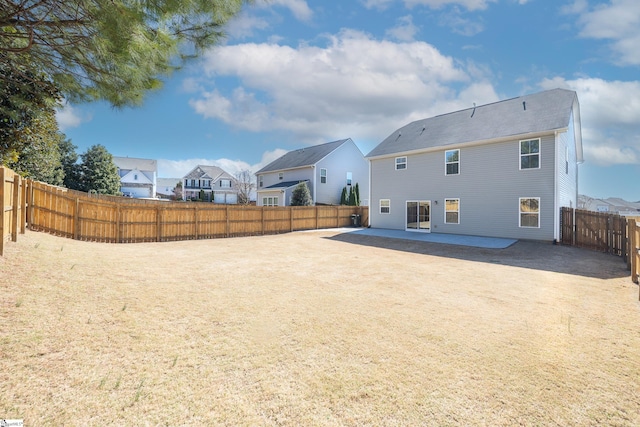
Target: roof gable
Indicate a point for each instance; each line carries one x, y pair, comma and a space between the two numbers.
213, 173
130, 163
135, 176
303, 157
544, 111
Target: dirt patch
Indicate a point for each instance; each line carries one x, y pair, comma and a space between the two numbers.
316, 328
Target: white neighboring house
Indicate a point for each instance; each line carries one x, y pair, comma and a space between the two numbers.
210, 184
326, 168
165, 188
137, 176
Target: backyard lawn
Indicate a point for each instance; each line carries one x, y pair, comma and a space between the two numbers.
316, 329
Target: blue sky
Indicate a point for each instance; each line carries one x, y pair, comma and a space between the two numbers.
293, 73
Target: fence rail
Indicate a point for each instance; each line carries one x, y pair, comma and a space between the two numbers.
81, 216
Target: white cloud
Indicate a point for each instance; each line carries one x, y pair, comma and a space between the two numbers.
244, 25
405, 30
355, 86
179, 168
459, 24
617, 21
433, 4
299, 8
610, 116
69, 117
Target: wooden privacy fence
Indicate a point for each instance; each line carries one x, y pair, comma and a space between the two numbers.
81, 216
604, 232
594, 230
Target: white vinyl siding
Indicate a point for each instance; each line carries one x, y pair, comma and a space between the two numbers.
488, 189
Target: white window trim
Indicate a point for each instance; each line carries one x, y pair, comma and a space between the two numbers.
520, 212
325, 175
539, 154
388, 207
445, 210
451, 163
405, 163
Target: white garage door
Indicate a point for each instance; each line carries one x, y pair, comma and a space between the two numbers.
225, 198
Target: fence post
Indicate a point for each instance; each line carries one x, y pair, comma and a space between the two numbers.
633, 251
76, 220
158, 225
2, 214
23, 206
15, 207
291, 218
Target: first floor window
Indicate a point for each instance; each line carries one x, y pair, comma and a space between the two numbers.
385, 206
401, 163
270, 201
530, 212
323, 176
452, 211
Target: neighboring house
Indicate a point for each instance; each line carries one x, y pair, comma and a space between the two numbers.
165, 187
503, 169
137, 176
611, 205
326, 168
210, 184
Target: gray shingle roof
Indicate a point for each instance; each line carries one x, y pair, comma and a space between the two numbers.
207, 172
539, 112
285, 184
307, 156
130, 163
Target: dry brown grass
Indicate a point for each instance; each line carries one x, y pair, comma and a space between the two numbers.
315, 329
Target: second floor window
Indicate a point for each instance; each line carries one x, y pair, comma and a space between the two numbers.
530, 154
401, 163
225, 183
281, 176
323, 176
260, 182
349, 178
452, 162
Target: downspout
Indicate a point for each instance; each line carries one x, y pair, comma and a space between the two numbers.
556, 202
370, 200
314, 182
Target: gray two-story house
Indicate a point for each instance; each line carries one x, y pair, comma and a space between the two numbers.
326, 169
503, 169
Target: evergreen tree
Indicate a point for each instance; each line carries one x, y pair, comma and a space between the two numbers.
99, 173
344, 199
301, 196
357, 192
39, 157
352, 197
113, 50
70, 166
